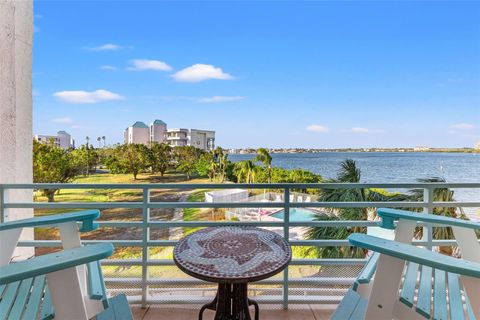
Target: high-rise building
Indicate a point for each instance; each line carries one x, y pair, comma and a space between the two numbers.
158, 129
138, 132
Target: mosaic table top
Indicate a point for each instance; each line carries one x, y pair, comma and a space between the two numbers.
232, 254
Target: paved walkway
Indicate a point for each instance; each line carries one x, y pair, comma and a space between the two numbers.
177, 233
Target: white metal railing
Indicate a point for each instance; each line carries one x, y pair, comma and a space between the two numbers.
147, 224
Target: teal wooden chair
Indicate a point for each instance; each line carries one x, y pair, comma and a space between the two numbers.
63, 285
402, 281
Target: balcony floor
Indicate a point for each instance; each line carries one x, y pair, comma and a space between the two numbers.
267, 312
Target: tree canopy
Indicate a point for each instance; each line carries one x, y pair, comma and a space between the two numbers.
52, 164
129, 158
186, 158
161, 157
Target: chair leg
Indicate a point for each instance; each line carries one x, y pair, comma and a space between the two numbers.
9, 240
67, 296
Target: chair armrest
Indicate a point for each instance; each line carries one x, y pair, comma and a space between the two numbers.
412, 253
369, 269
86, 217
389, 216
54, 262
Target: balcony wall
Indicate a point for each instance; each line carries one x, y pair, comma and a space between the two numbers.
16, 38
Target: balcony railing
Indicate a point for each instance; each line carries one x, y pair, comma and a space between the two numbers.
145, 288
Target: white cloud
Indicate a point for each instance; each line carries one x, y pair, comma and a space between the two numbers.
105, 47
360, 130
143, 64
201, 72
316, 128
65, 120
108, 68
219, 99
462, 126
87, 97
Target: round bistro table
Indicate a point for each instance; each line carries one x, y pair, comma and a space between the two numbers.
232, 256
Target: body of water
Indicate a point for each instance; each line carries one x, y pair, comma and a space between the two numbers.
391, 167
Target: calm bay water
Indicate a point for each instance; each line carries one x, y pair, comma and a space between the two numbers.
390, 167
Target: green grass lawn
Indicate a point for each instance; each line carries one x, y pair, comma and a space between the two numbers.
193, 214
114, 214
123, 214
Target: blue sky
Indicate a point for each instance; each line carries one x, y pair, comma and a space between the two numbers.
271, 74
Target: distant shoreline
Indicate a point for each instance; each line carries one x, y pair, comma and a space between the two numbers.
360, 150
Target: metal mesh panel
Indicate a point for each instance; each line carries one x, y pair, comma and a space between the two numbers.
328, 281
169, 282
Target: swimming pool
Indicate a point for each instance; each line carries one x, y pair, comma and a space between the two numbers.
296, 214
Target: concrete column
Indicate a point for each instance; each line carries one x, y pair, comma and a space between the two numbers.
16, 39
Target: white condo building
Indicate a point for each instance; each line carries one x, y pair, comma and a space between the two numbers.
202, 139
139, 132
63, 139
158, 129
177, 137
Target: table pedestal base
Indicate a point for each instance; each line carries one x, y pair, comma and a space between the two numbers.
231, 303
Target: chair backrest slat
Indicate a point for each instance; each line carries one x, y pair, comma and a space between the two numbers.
469, 309
21, 299
35, 298
47, 307
455, 297
409, 283
8, 299
440, 295
425, 292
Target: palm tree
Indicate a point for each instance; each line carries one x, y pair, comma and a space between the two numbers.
223, 166
266, 159
220, 163
349, 173
88, 155
103, 138
246, 171
99, 139
439, 195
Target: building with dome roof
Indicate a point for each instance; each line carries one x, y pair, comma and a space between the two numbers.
139, 132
